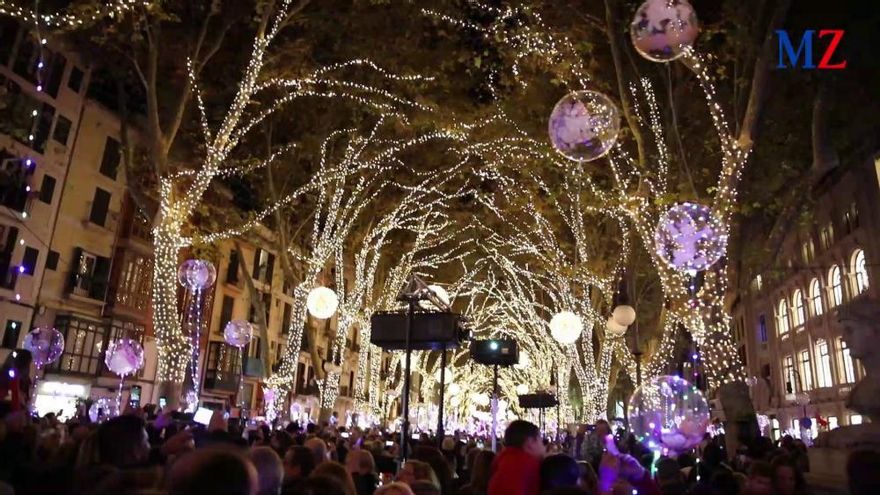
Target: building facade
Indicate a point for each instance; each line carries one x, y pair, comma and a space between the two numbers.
786, 321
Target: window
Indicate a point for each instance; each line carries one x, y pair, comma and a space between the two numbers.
851, 218
774, 428
41, 130
833, 423
836, 283
795, 427
232, 268
75, 80
52, 260
83, 346
788, 374
135, 282
89, 274
783, 324
47, 189
300, 378
100, 205
860, 271
285, 319
8, 241
805, 370
757, 283
25, 63
10, 335
29, 260
110, 160
226, 312
8, 33
18, 119
808, 251
823, 364
855, 419
797, 304
62, 130
826, 235
264, 265
848, 371
816, 297
52, 79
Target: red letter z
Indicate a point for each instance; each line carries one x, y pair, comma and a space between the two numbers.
837, 35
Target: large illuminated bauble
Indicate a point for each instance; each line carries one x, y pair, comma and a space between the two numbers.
447, 376
522, 389
662, 29
322, 303
102, 409
584, 125
238, 333
614, 329
45, 345
524, 361
454, 389
624, 315
689, 237
668, 412
197, 274
455, 401
481, 400
124, 356
566, 327
441, 294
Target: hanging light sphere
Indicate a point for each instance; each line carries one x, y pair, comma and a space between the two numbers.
102, 409
454, 389
45, 345
522, 389
584, 125
238, 333
566, 327
668, 411
197, 274
624, 315
524, 361
322, 303
124, 356
481, 400
614, 329
689, 237
441, 294
447, 376
662, 29
455, 401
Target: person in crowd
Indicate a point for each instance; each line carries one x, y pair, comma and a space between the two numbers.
215, 471
594, 445
394, 488
670, 478
760, 479
481, 471
588, 480
424, 487
559, 470
333, 469
516, 470
319, 485
787, 478
362, 467
281, 441
414, 470
318, 448
270, 470
437, 461
863, 472
123, 442
299, 462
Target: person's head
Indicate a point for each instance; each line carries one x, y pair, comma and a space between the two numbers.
863, 472
318, 448
333, 469
415, 470
435, 458
319, 485
603, 429
270, 471
481, 469
299, 462
396, 488
360, 462
214, 471
725, 482
524, 435
760, 480
786, 478
448, 444
123, 441
559, 470
668, 472
281, 441
588, 481
424, 487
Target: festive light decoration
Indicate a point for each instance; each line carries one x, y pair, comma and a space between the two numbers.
566, 327
624, 315
441, 294
238, 333
584, 125
690, 238
614, 329
661, 29
668, 411
448, 376
103, 409
45, 345
197, 274
522, 389
124, 356
322, 303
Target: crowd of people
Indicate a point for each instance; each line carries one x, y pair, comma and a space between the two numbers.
146, 451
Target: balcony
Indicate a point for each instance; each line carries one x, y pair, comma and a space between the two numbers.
224, 382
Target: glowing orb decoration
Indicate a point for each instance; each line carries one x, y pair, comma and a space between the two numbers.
481, 400
102, 409
441, 294
447, 375
124, 356
455, 401
524, 361
566, 327
454, 389
584, 125
522, 389
689, 237
614, 329
668, 412
662, 29
238, 333
197, 274
45, 345
322, 303
624, 315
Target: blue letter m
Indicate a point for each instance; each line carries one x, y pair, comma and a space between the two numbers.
785, 48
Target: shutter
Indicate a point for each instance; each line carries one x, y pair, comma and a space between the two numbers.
232, 270
270, 268
256, 266
100, 278
74, 269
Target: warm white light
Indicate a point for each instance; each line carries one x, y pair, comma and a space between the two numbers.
566, 327
523, 360
624, 315
322, 303
481, 400
614, 329
441, 294
447, 378
454, 389
522, 389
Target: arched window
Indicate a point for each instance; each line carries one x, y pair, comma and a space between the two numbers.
860, 271
797, 305
816, 297
783, 323
835, 281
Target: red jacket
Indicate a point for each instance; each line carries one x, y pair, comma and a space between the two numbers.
514, 472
